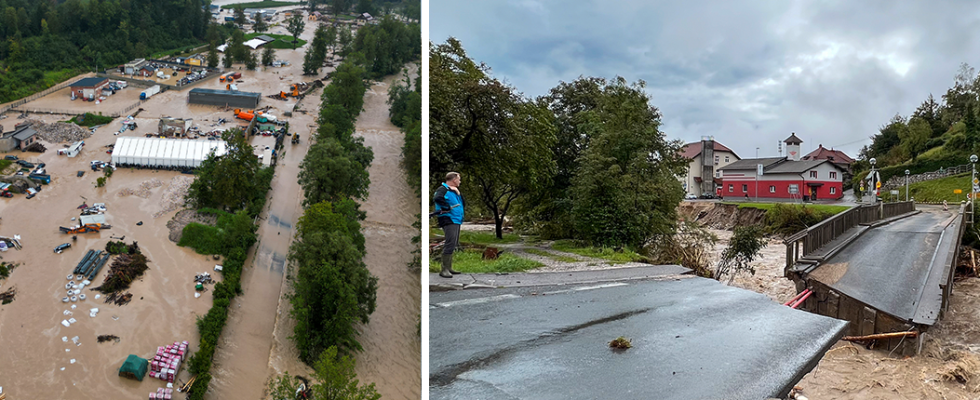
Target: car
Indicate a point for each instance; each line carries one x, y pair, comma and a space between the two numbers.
25, 164
6, 194
690, 196
11, 158
707, 195
31, 196
62, 247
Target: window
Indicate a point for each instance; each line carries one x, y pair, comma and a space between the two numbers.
813, 174
726, 159
716, 158
833, 175
833, 190
717, 174
745, 188
772, 189
731, 188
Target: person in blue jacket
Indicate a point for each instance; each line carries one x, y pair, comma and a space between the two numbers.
449, 211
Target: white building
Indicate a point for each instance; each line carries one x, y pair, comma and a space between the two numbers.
165, 153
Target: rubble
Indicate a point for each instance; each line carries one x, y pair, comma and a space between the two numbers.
119, 299
144, 189
59, 132
106, 338
8, 296
173, 196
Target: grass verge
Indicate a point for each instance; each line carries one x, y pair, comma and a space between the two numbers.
935, 191
282, 42
552, 256
472, 262
178, 52
822, 208
605, 253
478, 238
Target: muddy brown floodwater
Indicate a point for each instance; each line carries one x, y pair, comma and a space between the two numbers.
255, 343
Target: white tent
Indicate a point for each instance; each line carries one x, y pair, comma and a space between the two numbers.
164, 153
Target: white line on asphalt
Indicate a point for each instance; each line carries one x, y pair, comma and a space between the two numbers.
477, 300
607, 285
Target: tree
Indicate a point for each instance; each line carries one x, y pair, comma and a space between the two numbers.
887, 137
259, 25
365, 6
743, 247
340, 6
251, 61
972, 126
295, 26
212, 55
329, 174
237, 48
309, 63
915, 136
268, 56
625, 191
228, 182
931, 112
228, 60
482, 128
240, 16
344, 39
336, 380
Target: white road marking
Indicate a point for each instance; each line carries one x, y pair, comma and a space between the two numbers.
477, 300
581, 288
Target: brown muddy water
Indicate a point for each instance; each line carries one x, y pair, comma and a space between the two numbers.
255, 343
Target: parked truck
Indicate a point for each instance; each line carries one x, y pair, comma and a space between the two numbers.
146, 94
229, 19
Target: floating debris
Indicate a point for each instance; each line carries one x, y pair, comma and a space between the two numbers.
106, 338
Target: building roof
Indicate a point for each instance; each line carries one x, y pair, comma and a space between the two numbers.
89, 82
225, 92
266, 38
794, 167
823, 153
24, 132
751, 163
692, 150
792, 139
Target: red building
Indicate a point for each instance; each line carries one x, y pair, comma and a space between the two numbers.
784, 177
88, 88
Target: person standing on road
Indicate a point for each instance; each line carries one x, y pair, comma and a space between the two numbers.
449, 210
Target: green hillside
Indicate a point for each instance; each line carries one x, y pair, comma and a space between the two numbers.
936, 191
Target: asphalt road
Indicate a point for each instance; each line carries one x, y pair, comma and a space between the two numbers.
692, 338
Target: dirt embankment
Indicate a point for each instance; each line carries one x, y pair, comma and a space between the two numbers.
720, 215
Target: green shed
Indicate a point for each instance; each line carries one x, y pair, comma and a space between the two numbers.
134, 368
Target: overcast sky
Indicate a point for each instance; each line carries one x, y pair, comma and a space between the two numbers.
747, 73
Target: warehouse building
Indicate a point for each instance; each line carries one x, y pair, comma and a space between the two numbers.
164, 153
224, 98
88, 87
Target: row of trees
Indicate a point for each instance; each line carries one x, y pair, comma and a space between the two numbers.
586, 161
43, 42
409, 8
385, 47
333, 289
233, 187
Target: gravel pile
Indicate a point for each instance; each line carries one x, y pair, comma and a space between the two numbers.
144, 189
173, 196
59, 132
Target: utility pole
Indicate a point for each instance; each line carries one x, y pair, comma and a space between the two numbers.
973, 189
874, 182
906, 185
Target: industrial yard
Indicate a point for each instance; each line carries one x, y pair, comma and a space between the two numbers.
143, 194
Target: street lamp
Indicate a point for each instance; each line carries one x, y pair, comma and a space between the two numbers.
872, 186
906, 185
973, 187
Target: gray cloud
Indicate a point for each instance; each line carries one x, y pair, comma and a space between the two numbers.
747, 73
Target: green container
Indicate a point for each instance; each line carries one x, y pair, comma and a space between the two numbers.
199, 287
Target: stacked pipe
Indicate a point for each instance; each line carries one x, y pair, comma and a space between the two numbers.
162, 394
799, 299
166, 362
78, 267
98, 266
87, 267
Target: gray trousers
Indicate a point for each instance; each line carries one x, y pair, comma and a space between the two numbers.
452, 238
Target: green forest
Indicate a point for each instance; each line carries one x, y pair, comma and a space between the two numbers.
937, 134
45, 42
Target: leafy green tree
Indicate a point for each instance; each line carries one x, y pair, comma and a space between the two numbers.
295, 26
365, 6
268, 56
931, 112
212, 55
499, 141
227, 61
309, 63
972, 125
329, 174
237, 48
344, 39
347, 89
742, 249
259, 25
887, 138
915, 136
240, 16
336, 380
625, 191
228, 182
251, 61
340, 6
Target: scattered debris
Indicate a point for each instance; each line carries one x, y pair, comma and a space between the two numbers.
124, 270
879, 336
119, 299
621, 343
173, 196
491, 253
8, 296
59, 132
144, 189
106, 338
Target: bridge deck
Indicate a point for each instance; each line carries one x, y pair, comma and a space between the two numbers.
888, 267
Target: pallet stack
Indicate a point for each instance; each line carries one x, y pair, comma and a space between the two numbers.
162, 394
166, 362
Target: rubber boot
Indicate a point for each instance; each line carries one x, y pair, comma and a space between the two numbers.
447, 261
